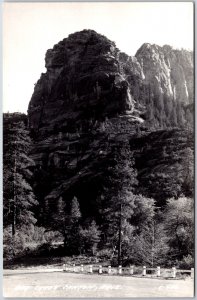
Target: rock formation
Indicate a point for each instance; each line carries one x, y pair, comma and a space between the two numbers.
83, 81
92, 97
168, 71
165, 163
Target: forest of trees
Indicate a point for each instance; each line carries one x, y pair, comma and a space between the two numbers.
129, 227
161, 111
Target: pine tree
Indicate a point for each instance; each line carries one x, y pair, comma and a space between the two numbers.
150, 108
188, 171
19, 199
72, 228
90, 237
150, 246
75, 213
189, 116
117, 199
180, 115
60, 218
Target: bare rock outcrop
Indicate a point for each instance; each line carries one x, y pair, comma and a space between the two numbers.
168, 71
91, 98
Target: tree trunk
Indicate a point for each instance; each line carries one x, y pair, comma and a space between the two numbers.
119, 237
14, 218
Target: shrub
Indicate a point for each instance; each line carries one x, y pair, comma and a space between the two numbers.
104, 254
12, 246
53, 237
187, 262
43, 250
30, 239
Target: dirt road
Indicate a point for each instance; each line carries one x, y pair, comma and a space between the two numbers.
40, 283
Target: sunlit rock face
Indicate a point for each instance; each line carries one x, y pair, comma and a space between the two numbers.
91, 98
168, 71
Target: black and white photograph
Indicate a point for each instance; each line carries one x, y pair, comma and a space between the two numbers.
98, 149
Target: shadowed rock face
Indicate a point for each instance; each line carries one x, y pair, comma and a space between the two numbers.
164, 160
91, 98
74, 113
83, 81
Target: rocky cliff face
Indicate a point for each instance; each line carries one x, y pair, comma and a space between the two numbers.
83, 81
93, 97
165, 164
88, 77
161, 80
169, 72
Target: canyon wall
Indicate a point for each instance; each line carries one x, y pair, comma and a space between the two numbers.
94, 97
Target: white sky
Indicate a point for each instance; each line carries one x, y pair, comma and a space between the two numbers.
29, 29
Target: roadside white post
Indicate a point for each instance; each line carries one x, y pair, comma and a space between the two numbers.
131, 270
81, 268
173, 272
144, 271
158, 272
74, 269
192, 273
100, 270
64, 268
90, 268
120, 270
109, 269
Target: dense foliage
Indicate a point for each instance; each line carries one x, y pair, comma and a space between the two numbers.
18, 197
124, 223
162, 111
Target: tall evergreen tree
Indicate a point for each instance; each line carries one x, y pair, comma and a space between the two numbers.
67, 221
188, 172
150, 246
117, 200
72, 232
90, 237
18, 196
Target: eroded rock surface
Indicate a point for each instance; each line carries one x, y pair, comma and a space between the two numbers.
168, 71
92, 97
